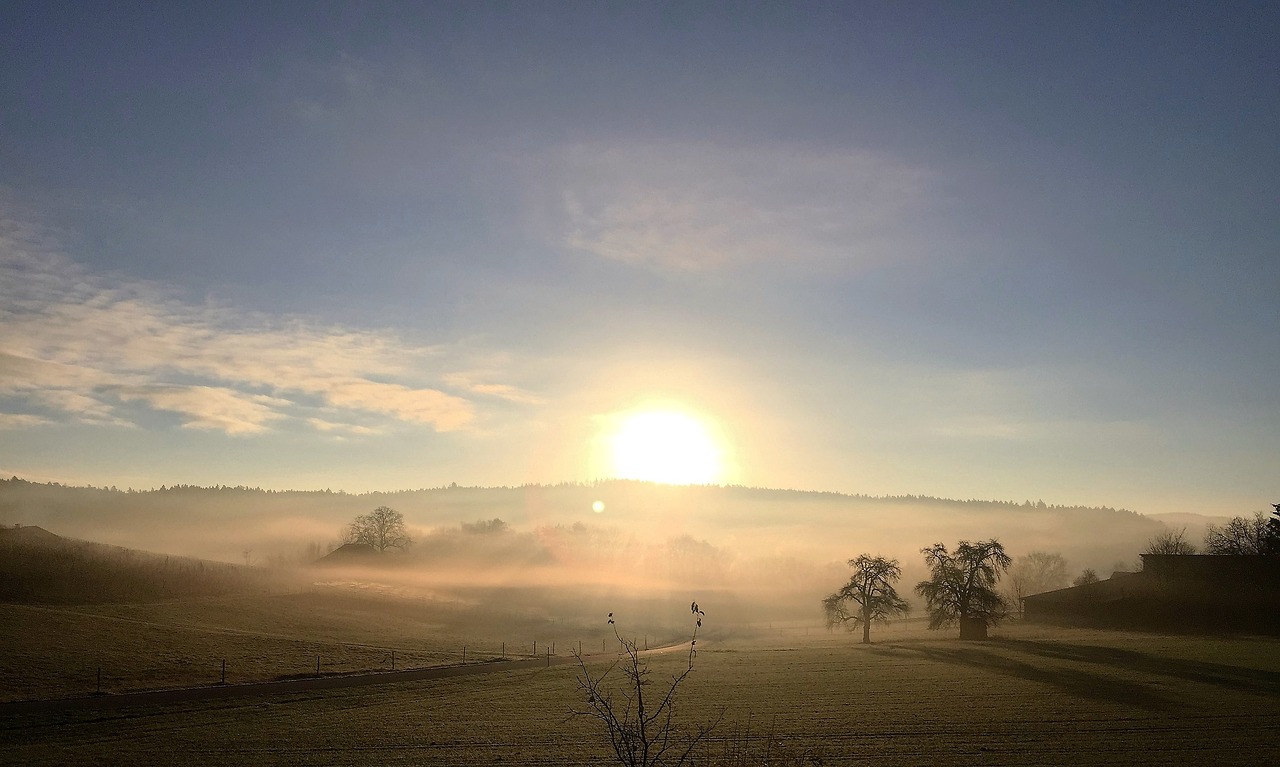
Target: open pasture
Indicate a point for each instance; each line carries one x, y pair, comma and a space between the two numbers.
1029, 696
56, 651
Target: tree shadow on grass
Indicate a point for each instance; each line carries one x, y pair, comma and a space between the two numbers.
1235, 678
1075, 682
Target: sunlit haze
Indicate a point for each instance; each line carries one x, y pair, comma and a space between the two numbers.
665, 446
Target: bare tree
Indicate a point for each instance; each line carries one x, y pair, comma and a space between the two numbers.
962, 589
1241, 535
868, 596
640, 723
382, 528
1085, 578
1034, 573
1171, 542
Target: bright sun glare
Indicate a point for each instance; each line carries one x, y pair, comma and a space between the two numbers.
665, 446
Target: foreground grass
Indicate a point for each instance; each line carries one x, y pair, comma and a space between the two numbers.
1031, 696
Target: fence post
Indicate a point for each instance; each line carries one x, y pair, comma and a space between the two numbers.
99, 680
504, 650
535, 647
393, 660
224, 671
548, 657
464, 655
317, 665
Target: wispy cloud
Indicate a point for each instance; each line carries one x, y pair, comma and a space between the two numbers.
77, 345
476, 384
445, 412
211, 407
21, 421
696, 207
340, 429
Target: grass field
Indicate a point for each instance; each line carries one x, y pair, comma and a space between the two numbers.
1029, 696
56, 651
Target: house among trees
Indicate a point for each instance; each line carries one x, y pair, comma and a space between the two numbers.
1178, 592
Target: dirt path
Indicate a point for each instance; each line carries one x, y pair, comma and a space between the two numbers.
221, 692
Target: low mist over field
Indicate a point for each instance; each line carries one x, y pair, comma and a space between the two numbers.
778, 550
222, 523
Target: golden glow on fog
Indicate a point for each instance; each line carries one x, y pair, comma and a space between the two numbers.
666, 446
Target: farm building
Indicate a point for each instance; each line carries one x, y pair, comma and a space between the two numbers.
349, 554
1184, 592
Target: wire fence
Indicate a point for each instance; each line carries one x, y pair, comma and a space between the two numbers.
167, 669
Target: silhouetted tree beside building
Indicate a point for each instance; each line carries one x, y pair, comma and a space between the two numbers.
1035, 573
1085, 578
962, 588
1240, 535
1171, 542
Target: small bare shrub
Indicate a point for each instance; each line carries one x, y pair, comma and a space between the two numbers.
638, 717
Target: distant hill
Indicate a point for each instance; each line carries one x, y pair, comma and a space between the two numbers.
741, 524
1194, 524
39, 567
30, 535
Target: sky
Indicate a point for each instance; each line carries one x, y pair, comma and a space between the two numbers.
969, 250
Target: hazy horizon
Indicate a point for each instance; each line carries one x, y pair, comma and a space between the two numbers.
809, 529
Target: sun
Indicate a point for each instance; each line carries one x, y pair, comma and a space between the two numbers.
665, 445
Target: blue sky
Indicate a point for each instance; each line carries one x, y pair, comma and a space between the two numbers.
968, 250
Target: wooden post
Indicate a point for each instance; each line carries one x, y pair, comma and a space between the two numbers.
393, 660
317, 665
99, 680
535, 647
548, 656
224, 671
464, 655
504, 650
